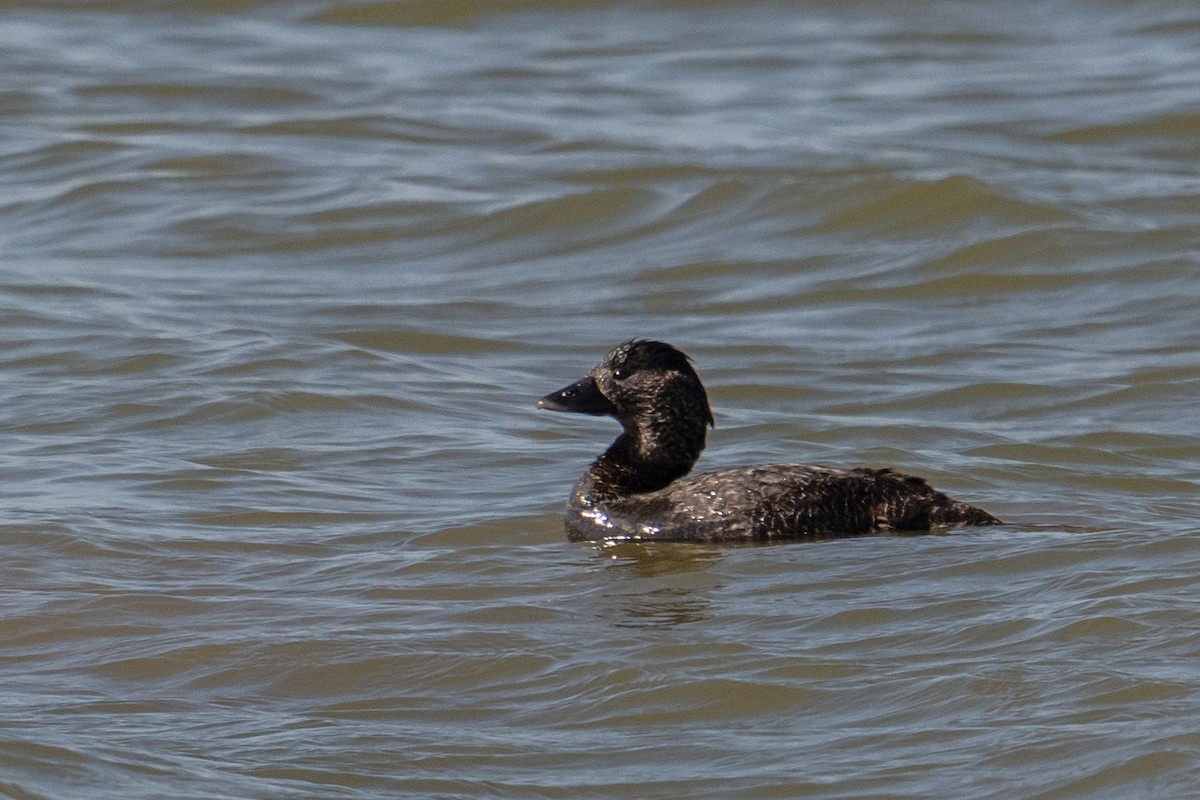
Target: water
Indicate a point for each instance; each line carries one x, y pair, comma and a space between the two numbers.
279, 286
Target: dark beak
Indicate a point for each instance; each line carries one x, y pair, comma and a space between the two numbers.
582, 396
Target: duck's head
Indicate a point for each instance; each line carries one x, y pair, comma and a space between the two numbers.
650, 387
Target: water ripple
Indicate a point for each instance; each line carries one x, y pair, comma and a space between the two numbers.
282, 284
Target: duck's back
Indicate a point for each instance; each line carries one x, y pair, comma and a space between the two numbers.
772, 501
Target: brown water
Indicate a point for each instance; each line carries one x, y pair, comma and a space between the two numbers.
279, 285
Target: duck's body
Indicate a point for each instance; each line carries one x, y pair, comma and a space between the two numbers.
637, 489
768, 502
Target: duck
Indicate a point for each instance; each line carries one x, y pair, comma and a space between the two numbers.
639, 489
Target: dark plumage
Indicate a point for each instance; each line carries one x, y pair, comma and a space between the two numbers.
637, 489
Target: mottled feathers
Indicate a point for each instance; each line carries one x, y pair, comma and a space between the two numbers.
637, 490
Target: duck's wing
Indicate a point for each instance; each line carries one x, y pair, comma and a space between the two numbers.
782, 501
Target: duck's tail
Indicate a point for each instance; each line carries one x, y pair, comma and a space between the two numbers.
956, 513
912, 504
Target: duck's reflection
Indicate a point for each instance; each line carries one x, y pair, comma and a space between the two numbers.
657, 584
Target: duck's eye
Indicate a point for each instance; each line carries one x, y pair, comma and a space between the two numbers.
620, 374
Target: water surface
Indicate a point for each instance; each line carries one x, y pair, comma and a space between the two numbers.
280, 284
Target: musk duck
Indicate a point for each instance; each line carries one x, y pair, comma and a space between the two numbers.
639, 489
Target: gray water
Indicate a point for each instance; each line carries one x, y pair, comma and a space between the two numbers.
279, 285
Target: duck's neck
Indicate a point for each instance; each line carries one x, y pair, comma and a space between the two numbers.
646, 458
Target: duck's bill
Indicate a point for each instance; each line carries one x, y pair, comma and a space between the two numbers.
582, 397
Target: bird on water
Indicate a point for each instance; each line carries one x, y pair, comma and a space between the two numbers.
638, 490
